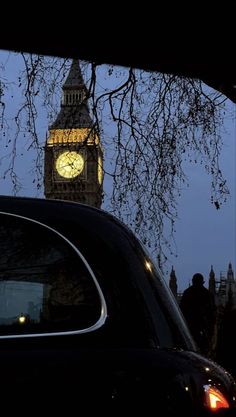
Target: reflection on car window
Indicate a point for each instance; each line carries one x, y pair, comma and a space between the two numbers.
44, 284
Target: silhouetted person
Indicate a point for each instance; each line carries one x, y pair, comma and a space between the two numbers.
199, 311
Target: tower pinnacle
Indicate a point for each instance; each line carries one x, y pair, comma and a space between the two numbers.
173, 282
74, 112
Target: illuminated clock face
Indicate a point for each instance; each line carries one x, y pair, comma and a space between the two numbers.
69, 164
100, 173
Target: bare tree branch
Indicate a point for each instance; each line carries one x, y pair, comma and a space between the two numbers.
150, 124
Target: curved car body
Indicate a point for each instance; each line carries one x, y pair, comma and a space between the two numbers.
87, 322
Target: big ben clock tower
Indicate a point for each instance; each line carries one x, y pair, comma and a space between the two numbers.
73, 154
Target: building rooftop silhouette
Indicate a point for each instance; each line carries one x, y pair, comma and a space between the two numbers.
222, 288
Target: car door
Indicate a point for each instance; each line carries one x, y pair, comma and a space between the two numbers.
48, 296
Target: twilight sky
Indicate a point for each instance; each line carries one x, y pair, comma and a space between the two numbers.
204, 236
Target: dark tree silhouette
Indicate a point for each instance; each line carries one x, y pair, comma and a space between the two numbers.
150, 124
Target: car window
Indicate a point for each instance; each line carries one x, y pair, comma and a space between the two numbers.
45, 284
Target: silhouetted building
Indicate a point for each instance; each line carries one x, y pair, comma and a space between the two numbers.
173, 282
212, 282
222, 289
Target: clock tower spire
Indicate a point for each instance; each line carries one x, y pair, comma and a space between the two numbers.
73, 153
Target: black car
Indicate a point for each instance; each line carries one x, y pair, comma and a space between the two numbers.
87, 323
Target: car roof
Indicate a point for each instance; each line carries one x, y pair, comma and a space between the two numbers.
174, 42
66, 215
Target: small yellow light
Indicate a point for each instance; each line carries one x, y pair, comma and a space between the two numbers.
22, 319
148, 266
100, 171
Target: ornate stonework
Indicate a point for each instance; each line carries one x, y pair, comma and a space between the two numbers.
73, 168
